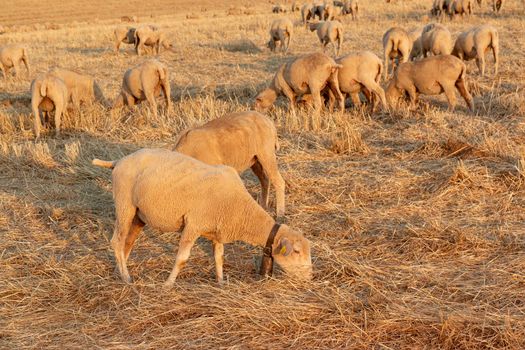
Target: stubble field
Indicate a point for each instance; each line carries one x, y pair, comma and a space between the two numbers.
416, 218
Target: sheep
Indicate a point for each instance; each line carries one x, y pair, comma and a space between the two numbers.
144, 82
307, 12
329, 32
430, 76
306, 74
318, 9
460, 7
417, 45
241, 140
396, 42
171, 192
474, 43
124, 35
48, 93
80, 87
295, 6
278, 9
11, 56
282, 31
151, 36
496, 5
351, 7
436, 39
360, 72
440, 8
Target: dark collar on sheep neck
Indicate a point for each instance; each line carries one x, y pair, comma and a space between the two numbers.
267, 259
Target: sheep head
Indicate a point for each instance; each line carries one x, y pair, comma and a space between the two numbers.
265, 99
291, 251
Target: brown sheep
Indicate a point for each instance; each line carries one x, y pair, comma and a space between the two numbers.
307, 13
81, 88
145, 82
474, 43
282, 31
170, 192
436, 39
241, 140
460, 7
148, 35
329, 32
351, 7
48, 93
430, 76
11, 56
124, 35
308, 74
396, 42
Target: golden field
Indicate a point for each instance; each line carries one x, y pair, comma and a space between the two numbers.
416, 218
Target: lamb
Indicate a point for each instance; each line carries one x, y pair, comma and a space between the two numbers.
436, 39
474, 43
171, 192
144, 82
430, 76
80, 87
241, 140
151, 36
282, 31
460, 7
11, 56
396, 42
124, 35
360, 72
307, 12
306, 74
329, 32
351, 7
48, 93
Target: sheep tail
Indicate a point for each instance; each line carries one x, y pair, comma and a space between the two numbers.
43, 88
104, 163
396, 44
379, 73
494, 39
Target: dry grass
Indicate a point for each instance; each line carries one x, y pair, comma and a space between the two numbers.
417, 219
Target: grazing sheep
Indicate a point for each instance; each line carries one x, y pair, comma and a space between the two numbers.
295, 6
460, 7
48, 93
144, 82
474, 43
440, 8
282, 31
496, 5
11, 56
307, 12
430, 76
124, 35
241, 140
80, 87
436, 39
308, 74
360, 72
171, 192
396, 42
318, 9
351, 7
151, 36
329, 32
328, 12
278, 9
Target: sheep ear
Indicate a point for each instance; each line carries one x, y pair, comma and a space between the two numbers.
284, 247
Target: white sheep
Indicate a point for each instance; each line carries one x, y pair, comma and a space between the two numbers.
474, 43
396, 42
81, 88
351, 7
241, 140
281, 31
170, 191
150, 35
11, 56
329, 32
48, 93
124, 34
436, 39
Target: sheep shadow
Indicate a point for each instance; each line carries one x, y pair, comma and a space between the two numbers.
242, 45
88, 51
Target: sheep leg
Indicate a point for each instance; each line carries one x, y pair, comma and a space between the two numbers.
125, 217
356, 101
150, 96
270, 168
333, 85
377, 90
134, 231
36, 112
218, 254
58, 118
412, 93
288, 92
495, 53
187, 241
462, 88
451, 96
263, 179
